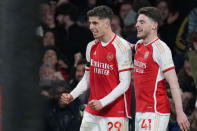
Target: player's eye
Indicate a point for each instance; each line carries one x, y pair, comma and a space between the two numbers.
141, 22
94, 23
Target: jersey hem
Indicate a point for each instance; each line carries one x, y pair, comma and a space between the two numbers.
155, 112
108, 115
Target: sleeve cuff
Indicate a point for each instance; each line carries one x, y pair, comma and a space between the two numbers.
168, 69
103, 103
87, 69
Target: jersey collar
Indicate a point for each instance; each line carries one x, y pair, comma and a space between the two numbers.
151, 42
105, 44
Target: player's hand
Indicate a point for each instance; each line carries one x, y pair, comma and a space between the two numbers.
183, 121
95, 104
66, 98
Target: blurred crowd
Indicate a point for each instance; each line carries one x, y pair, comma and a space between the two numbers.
64, 34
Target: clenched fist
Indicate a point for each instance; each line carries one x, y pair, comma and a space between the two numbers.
66, 98
95, 104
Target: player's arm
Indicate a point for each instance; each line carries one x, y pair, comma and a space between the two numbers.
163, 57
83, 85
124, 61
172, 79
123, 86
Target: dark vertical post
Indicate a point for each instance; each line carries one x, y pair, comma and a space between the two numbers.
19, 64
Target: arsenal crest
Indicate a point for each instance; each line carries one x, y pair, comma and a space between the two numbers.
110, 56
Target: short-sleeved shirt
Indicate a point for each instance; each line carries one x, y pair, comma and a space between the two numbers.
151, 61
105, 63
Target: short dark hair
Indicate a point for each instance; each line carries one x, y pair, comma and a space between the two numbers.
102, 12
152, 12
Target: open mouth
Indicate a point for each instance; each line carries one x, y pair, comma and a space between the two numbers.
94, 32
139, 31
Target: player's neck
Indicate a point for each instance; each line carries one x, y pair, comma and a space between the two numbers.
107, 37
150, 38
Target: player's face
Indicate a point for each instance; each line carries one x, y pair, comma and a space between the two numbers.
144, 26
97, 26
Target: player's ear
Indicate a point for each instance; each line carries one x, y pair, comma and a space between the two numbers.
155, 26
107, 23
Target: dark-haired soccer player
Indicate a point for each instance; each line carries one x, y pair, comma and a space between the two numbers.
108, 74
153, 65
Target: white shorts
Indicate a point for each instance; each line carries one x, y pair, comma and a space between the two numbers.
151, 121
98, 123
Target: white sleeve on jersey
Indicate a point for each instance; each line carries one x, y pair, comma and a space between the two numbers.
162, 56
123, 86
123, 55
88, 52
88, 49
124, 60
82, 86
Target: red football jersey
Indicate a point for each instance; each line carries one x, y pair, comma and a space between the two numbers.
105, 64
150, 62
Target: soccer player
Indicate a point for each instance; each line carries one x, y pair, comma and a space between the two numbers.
108, 74
153, 65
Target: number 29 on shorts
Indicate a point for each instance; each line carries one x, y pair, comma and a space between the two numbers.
116, 125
